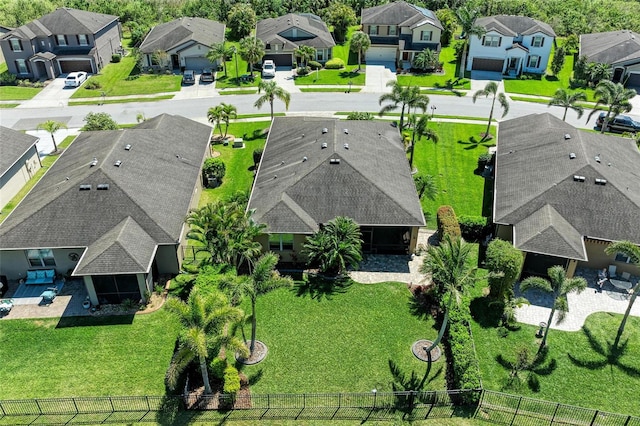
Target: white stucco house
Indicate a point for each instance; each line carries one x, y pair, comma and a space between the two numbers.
511, 45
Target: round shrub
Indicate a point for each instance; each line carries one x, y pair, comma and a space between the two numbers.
115, 58
447, 223
93, 85
484, 159
214, 168
334, 64
473, 228
231, 380
217, 367
303, 71
314, 65
7, 79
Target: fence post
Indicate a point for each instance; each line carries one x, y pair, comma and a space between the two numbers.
554, 414
38, 405
628, 420
595, 415
75, 405
516, 413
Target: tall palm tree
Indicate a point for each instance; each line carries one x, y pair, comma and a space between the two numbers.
565, 99
220, 51
632, 251
271, 92
467, 20
404, 97
203, 319
52, 126
559, 286
262, 280
492, 89
251, 50
215, 115
616, 97
360, 43
420, 129
230, 112
335, 246
305, 53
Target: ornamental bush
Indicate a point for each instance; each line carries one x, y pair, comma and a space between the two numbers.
473, 228
115, 58
302, 71
334, 64
214, 168
314, 65
231, 380
217, 367
447, 223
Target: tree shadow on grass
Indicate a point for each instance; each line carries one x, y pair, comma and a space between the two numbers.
403, 382
256, 134
605, 355
90, 321
532, 365
348, 74
319, 287
484, 313
472, 143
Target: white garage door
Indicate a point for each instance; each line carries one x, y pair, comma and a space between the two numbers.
197, 63
381, 54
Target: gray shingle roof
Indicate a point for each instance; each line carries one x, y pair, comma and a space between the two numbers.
371, 184
153, 186
510, 25
269, 30
64, 21
611, 47
536, 192
399, 13
13, 145
183, 30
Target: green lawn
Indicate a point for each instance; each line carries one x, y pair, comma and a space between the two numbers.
230, 81
337, 77
340, 342
122, 101
15, 93
452, 162
343, 50
329, 89
86, 356
447, 80
12, 105
121, 79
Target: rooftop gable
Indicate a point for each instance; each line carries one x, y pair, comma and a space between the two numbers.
13, 145
611, 47
399, 13
64, 21
511, 25
271, 29
172, 34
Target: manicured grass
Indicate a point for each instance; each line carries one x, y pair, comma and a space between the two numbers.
586, 373
122, 101
452, 162
86, 356
8, 105
239, 162
443, 92
237, 92
332, 77
328, 89
343, 50
448, 79
266, 115
15, 93
230, 81
340, 342
114, 82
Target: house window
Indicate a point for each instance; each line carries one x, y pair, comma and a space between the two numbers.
41, 258
538, 41
61, 40
425, 35
281, 242
83, 40
319, 55
622, 258
373, 30
393, 30
491, 41
534, 61
21, 65
268, 46
16, 45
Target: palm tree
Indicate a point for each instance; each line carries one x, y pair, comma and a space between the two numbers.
219, 51
262, 280
616, 97
426, 185
229, 112
271, 92
51, 126
305, 53
360, 43
467, 19
492, 89
565, 99
420, 129
426, 60
405, 97
335, 246
559, 286
251, 50
632, 251
598, 71
203, 319
215, 115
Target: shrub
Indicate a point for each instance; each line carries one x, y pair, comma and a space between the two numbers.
231, 380
257, 156
464, 361
217, 367
334, 64
214, 168
93, 85
473, 228
7, 79
115, 58
314, 65
447, 223
504, 263
359, 115
302, 71
484, 159
458, 47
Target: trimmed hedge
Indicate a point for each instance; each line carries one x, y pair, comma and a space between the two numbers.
217, 367
314, 65
231, 380
473, 228
334, 64
447, 223
302, 71
214, 168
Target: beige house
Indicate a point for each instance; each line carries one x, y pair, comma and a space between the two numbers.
18, 163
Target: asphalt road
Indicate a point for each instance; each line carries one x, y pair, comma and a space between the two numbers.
301, 103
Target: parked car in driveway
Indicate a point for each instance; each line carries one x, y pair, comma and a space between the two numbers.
206, 76
619, 124
268, 68
189, 77
75, 79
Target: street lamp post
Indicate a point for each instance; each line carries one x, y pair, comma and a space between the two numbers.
433, 110
235, 54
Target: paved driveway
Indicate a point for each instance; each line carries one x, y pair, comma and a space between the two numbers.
377, 77
197, 90
53, 95
284, 78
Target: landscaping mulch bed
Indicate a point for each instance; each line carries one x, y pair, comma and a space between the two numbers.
197, 400
259, 353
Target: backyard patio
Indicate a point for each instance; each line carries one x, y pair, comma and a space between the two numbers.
28, 302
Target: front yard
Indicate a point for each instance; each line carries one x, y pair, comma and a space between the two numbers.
15, 93
230, 82
333, 77
449, 79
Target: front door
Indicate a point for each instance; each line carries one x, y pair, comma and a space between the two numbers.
513, 63
175, 61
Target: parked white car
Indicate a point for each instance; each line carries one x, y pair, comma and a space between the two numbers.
75, 79
268, 68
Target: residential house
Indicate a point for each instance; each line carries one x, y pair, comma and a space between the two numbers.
60, 42
619, 49
283, 35
563, 194
112, 209
511, 45
398, 31
182, 43
18, 163
3, 31
314, 169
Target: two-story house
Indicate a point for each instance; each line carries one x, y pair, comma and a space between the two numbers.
619, 49
511, 45
398, 31
62, 41
283, 35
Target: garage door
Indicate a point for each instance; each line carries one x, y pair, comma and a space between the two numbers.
285, 60
481, 64
633, 80
77, 65
381, 54
197, 63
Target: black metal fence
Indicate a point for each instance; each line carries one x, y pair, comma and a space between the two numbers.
494, 407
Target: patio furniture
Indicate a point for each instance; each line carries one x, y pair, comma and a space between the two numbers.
625, 276
620, 284
49, 294
5, 306
612, 271
40, 276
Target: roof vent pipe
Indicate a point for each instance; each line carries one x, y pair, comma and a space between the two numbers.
567, 136
572, 155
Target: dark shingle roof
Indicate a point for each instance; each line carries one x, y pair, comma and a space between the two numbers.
64, 21
183, 30
153, 186
269, 30
536, 192
13, 145
611, 47
511, 25
371, 184
399, 13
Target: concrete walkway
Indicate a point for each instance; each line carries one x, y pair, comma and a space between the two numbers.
376, 79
